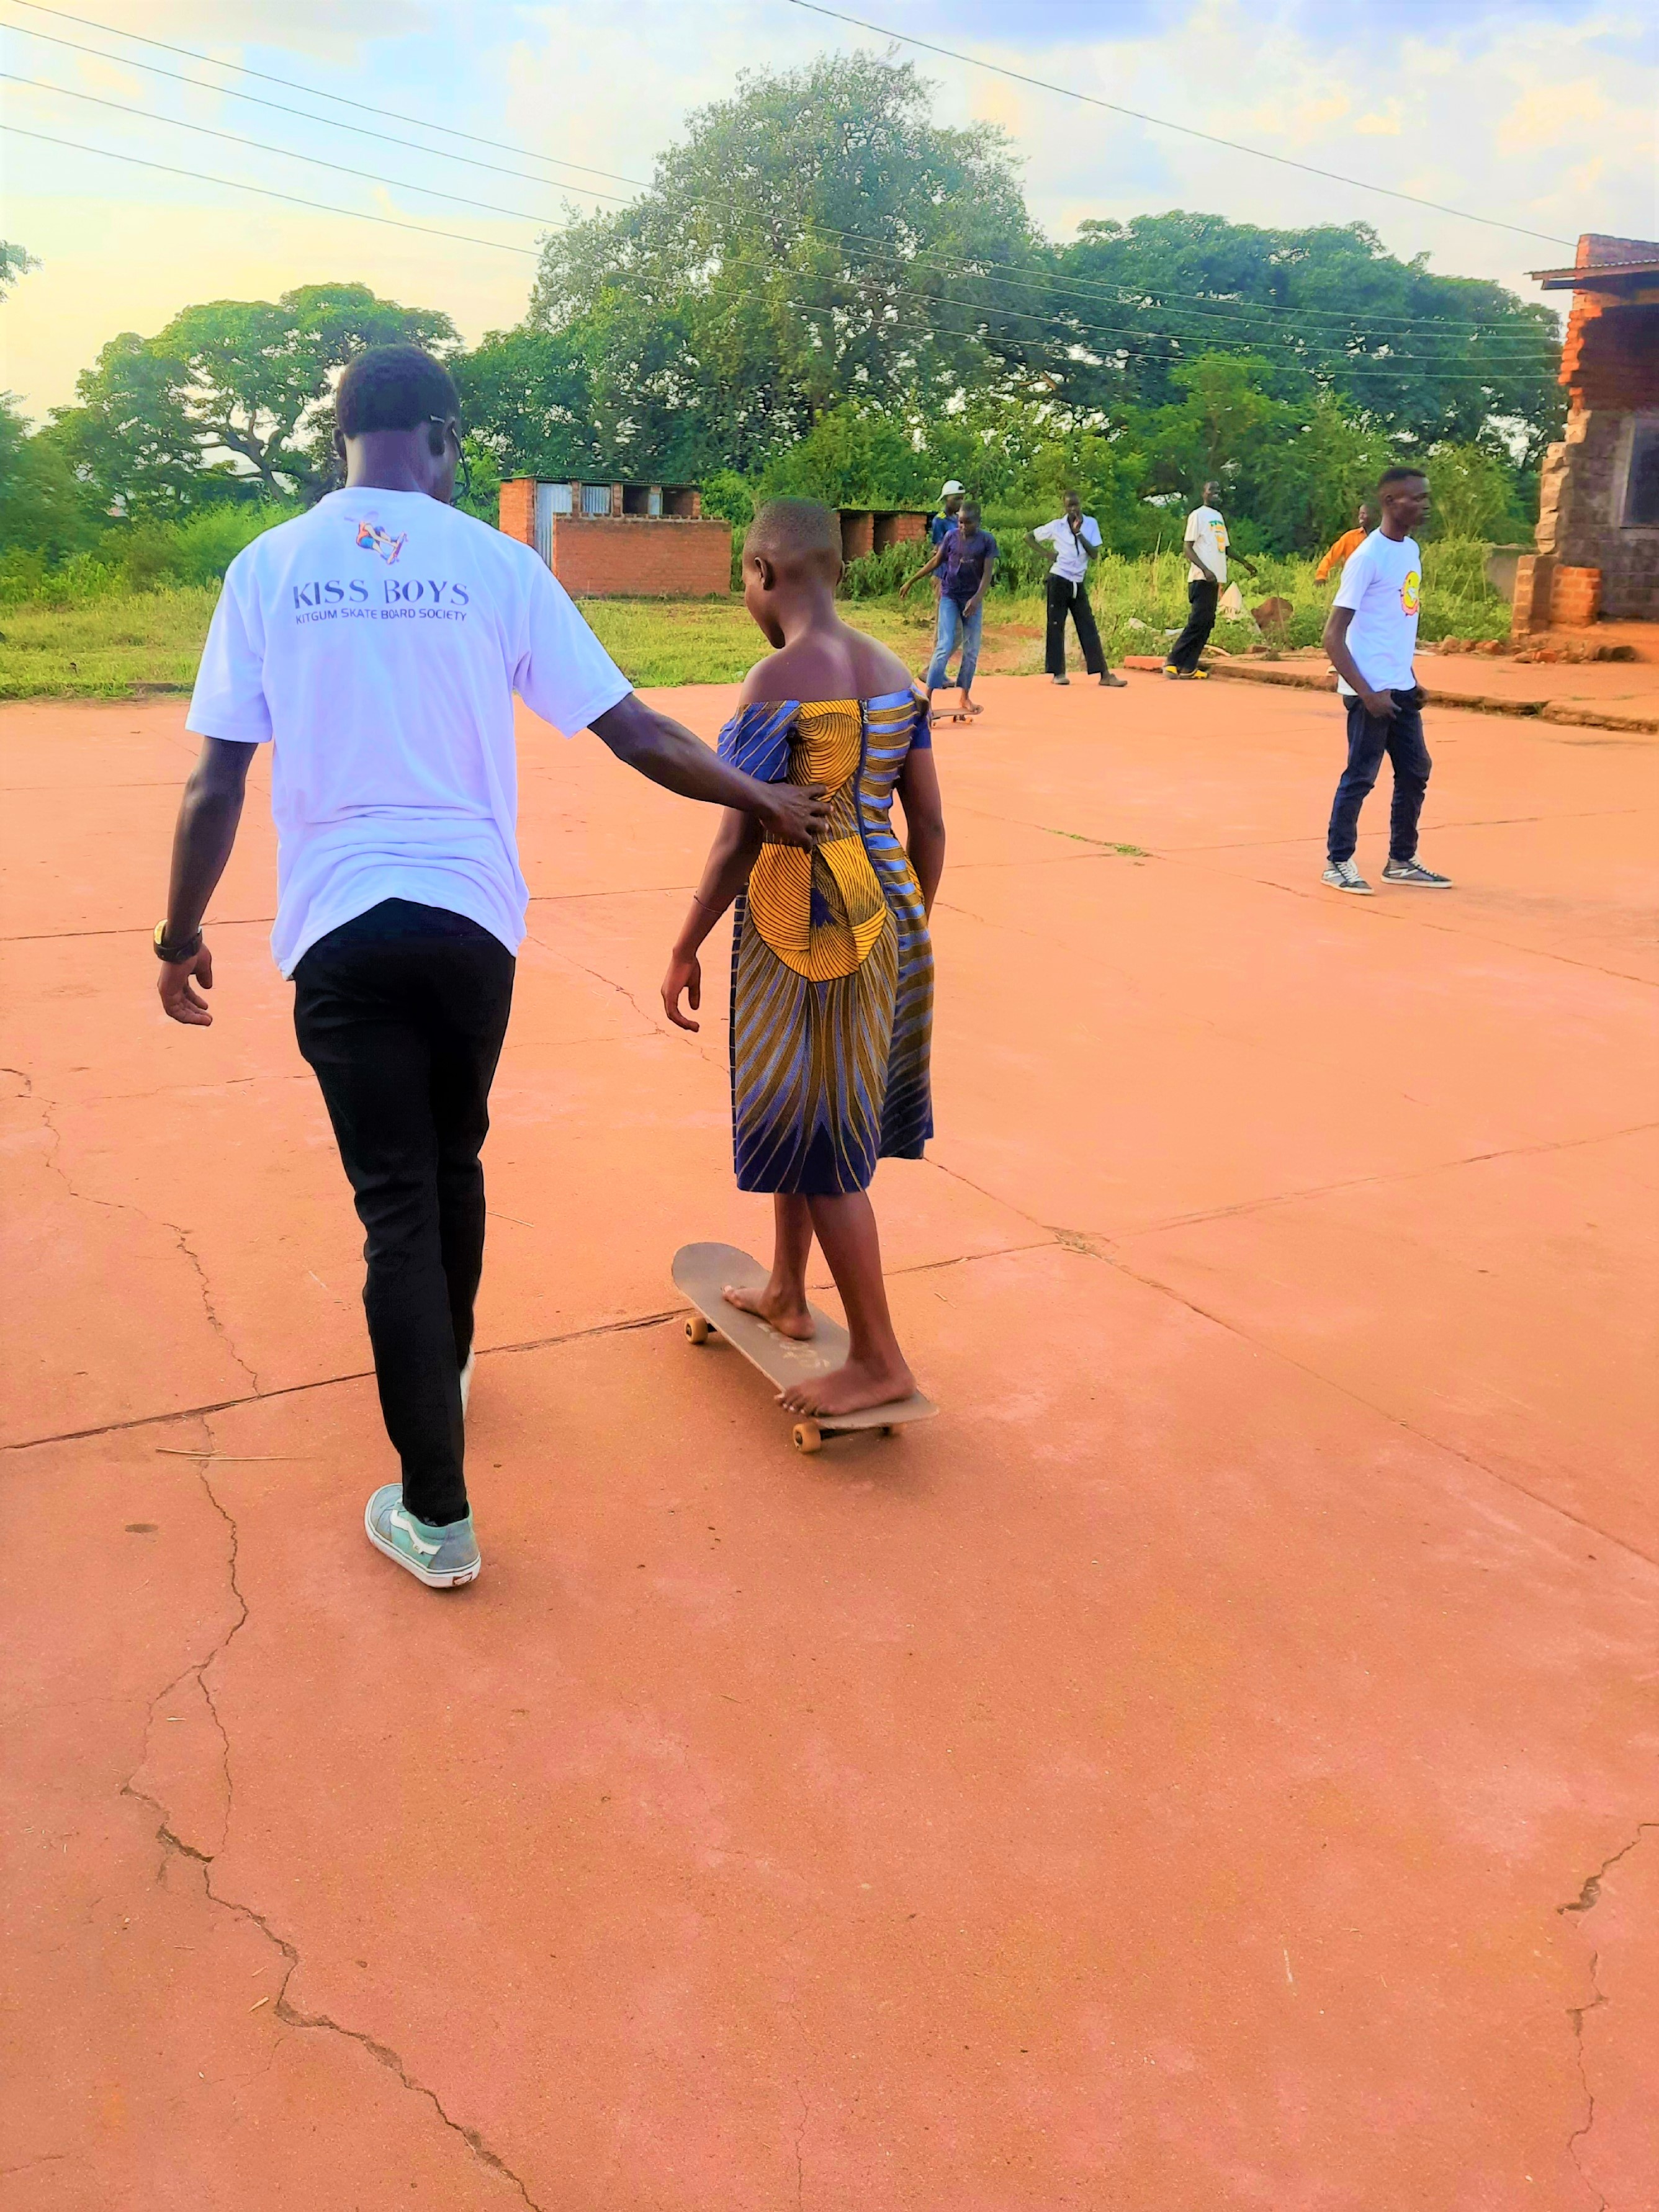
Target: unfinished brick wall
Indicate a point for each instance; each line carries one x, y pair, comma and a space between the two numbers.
517, 512
1587, 556
636, 557
858, 534
1580, 525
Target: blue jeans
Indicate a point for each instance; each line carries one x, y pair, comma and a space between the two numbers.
956, 628
1369, 738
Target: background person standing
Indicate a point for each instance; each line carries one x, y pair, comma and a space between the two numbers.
1205, 546
375, 644
1371, 636
1350, 541
966, 559
950, 505
1073, 537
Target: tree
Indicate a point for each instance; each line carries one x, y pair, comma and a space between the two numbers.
1415, 355
816, 240
44, 508
231, 398
14, 263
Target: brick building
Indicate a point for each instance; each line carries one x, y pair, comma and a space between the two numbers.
1598, 520
621, 540
873, 529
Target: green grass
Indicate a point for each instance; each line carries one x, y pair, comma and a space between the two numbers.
110, 646
104, 648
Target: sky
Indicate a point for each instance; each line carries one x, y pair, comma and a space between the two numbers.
1542, 113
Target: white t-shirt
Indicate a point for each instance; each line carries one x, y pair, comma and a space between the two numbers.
1382, 583
1206, 530
1071, 561
376, 642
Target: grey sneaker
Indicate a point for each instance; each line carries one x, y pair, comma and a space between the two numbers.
1413, 871
1343, 876
440, 1557
1111, 683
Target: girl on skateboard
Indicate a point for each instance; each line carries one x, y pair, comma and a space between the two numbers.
831, 969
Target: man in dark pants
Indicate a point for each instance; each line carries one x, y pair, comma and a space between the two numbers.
1072, 539
1372, 637
376, 644
1205, 547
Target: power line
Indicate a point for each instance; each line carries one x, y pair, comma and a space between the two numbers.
1162, 123
313, 92
1428, 362
264, 191
1215, 310
327, 122
1373, 368
262, 146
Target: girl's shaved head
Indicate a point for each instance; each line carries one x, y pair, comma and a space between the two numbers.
795, 533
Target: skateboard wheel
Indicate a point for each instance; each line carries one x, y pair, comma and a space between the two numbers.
808, 1436
698, 1329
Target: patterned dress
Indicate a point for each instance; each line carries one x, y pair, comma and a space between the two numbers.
832, 969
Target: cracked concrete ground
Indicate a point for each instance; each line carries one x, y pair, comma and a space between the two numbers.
1214, 1765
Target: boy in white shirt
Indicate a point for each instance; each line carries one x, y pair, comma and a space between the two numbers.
1372, 637
377, 643
1205, 547
1072, 537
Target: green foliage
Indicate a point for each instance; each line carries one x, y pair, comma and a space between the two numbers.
153, 554
1475, 495
14, 262
782, 263
1412, 354
231, 398
44, 512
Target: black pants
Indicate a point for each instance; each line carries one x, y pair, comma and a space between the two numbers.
1369, 736
1068, 598
1201, 600
401, 1014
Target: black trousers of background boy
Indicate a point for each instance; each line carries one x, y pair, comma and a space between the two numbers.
1201, 598
1065, 598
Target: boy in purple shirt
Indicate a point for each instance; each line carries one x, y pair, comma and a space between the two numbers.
966, 560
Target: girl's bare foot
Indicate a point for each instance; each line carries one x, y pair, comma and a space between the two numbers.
849, 1388
779, 1310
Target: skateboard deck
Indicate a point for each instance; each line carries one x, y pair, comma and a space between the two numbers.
702, 1273
955, 714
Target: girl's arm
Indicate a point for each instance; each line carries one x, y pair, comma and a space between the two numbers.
731, 856
924, 821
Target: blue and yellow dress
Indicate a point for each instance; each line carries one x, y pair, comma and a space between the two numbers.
831, 969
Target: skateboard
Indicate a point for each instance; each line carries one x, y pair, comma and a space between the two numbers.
955, 714
702, 1272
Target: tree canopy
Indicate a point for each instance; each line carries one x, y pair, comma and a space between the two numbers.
231, 397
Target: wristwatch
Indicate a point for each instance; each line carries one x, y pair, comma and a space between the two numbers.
174, 953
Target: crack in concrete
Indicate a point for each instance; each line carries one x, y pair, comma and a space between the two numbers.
1575, 2014
174, 1845
47, 1107
1586, 1901
1587, 1896
799, 2168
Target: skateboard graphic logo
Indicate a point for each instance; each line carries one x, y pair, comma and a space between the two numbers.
372, 539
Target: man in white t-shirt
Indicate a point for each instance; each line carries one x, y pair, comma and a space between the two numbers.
1072, 537
375, 644
1205, 547
1371, 638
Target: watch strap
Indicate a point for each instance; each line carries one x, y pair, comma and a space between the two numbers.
174, 953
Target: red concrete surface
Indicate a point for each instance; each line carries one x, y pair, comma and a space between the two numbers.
1211, 1766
